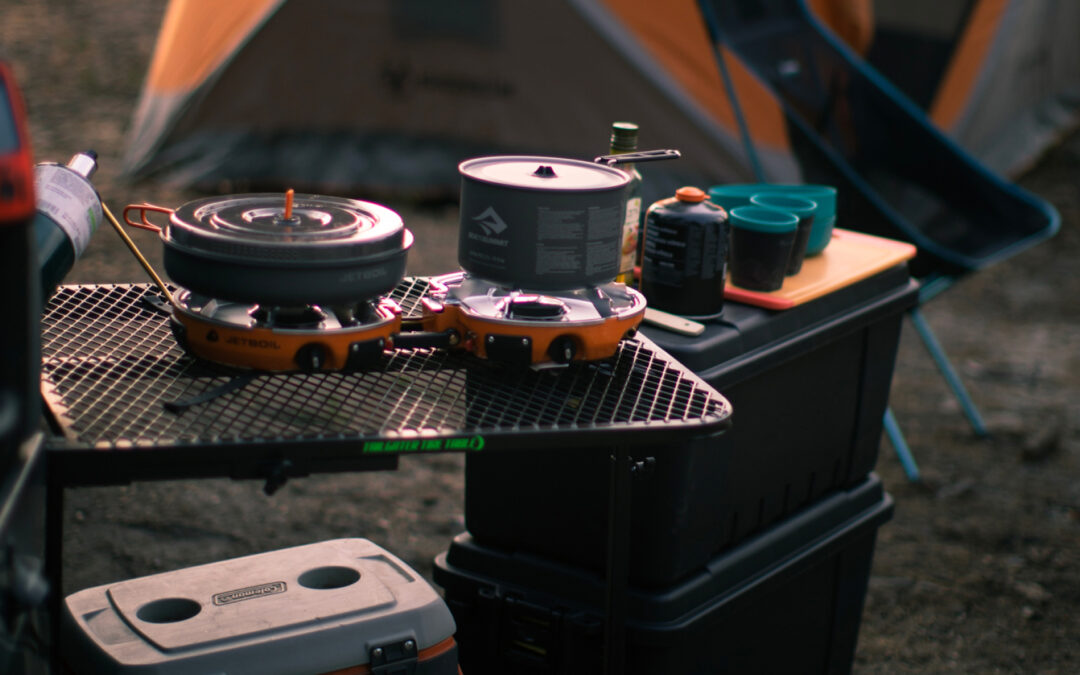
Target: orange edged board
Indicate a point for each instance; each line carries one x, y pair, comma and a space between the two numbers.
849, 257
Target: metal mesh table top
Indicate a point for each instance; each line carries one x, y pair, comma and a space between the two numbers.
111, 364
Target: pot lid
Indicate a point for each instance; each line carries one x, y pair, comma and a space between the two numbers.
543, 173
268, 227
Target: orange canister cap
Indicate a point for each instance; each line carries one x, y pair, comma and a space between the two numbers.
690, 194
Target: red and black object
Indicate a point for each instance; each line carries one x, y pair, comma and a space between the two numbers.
24, 588
19, 338
16, 164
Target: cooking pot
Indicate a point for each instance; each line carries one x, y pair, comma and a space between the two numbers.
282, 250
544, 223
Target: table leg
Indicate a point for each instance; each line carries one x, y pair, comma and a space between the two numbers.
618, 561
54, 559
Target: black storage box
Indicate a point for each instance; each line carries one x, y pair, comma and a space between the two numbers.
788, 600
809, 387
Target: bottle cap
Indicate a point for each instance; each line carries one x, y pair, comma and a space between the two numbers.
690, 194
624, 136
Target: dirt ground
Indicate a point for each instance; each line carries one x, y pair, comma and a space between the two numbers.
976, 573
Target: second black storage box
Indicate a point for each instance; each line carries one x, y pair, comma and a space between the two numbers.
788, 600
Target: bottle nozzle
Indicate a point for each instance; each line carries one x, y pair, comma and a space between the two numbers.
84, 163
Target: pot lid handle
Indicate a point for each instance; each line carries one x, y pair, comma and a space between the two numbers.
635, 157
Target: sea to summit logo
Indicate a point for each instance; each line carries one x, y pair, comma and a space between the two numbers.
490, 222
492, 225
260, 591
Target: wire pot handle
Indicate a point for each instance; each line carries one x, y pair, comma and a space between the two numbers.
144, 223
636, 157
131, 244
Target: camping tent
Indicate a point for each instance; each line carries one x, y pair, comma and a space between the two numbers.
392, 94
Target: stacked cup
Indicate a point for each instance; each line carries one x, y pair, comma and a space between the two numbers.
761, 243
811, 207
735, 195
804, 210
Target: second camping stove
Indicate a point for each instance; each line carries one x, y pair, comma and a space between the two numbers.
519, 326
284, 282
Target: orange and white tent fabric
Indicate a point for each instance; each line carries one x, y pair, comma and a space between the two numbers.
394, 93
342, 94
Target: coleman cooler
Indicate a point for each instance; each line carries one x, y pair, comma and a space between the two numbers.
307, 610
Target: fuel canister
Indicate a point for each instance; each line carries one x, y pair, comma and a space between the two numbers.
68, 212
685, 253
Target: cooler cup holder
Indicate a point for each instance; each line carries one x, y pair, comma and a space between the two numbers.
330, 577
168, 610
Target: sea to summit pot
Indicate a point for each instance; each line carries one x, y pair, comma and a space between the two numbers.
275, 250
541, 223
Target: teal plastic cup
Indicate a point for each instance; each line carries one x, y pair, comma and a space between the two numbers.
761, 242
820, 235
824, 219
734, 195
804, 210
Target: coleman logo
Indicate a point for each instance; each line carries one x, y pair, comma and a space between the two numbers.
253, 344
490, 222
229, 597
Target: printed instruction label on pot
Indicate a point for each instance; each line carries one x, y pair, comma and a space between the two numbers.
70, 200
559, 224
557, 259
577, 241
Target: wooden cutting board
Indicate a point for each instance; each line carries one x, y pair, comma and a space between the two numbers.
849, 257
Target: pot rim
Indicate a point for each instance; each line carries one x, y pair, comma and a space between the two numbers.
619, 177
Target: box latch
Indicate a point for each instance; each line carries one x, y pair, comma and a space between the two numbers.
394, 658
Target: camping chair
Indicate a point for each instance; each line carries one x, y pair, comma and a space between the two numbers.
898, 175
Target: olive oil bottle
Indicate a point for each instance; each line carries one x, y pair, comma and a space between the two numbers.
624, 138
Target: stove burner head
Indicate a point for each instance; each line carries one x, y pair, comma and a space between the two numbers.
533, 308
309, 316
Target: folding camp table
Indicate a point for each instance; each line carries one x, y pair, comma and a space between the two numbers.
110, 365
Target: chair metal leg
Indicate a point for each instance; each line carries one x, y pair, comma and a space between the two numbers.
900, 446
950, 375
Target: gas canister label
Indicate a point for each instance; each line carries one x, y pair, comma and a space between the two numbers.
70, 201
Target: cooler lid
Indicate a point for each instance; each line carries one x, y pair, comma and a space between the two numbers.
324, 605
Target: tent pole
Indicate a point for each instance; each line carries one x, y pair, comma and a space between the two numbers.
713, 25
